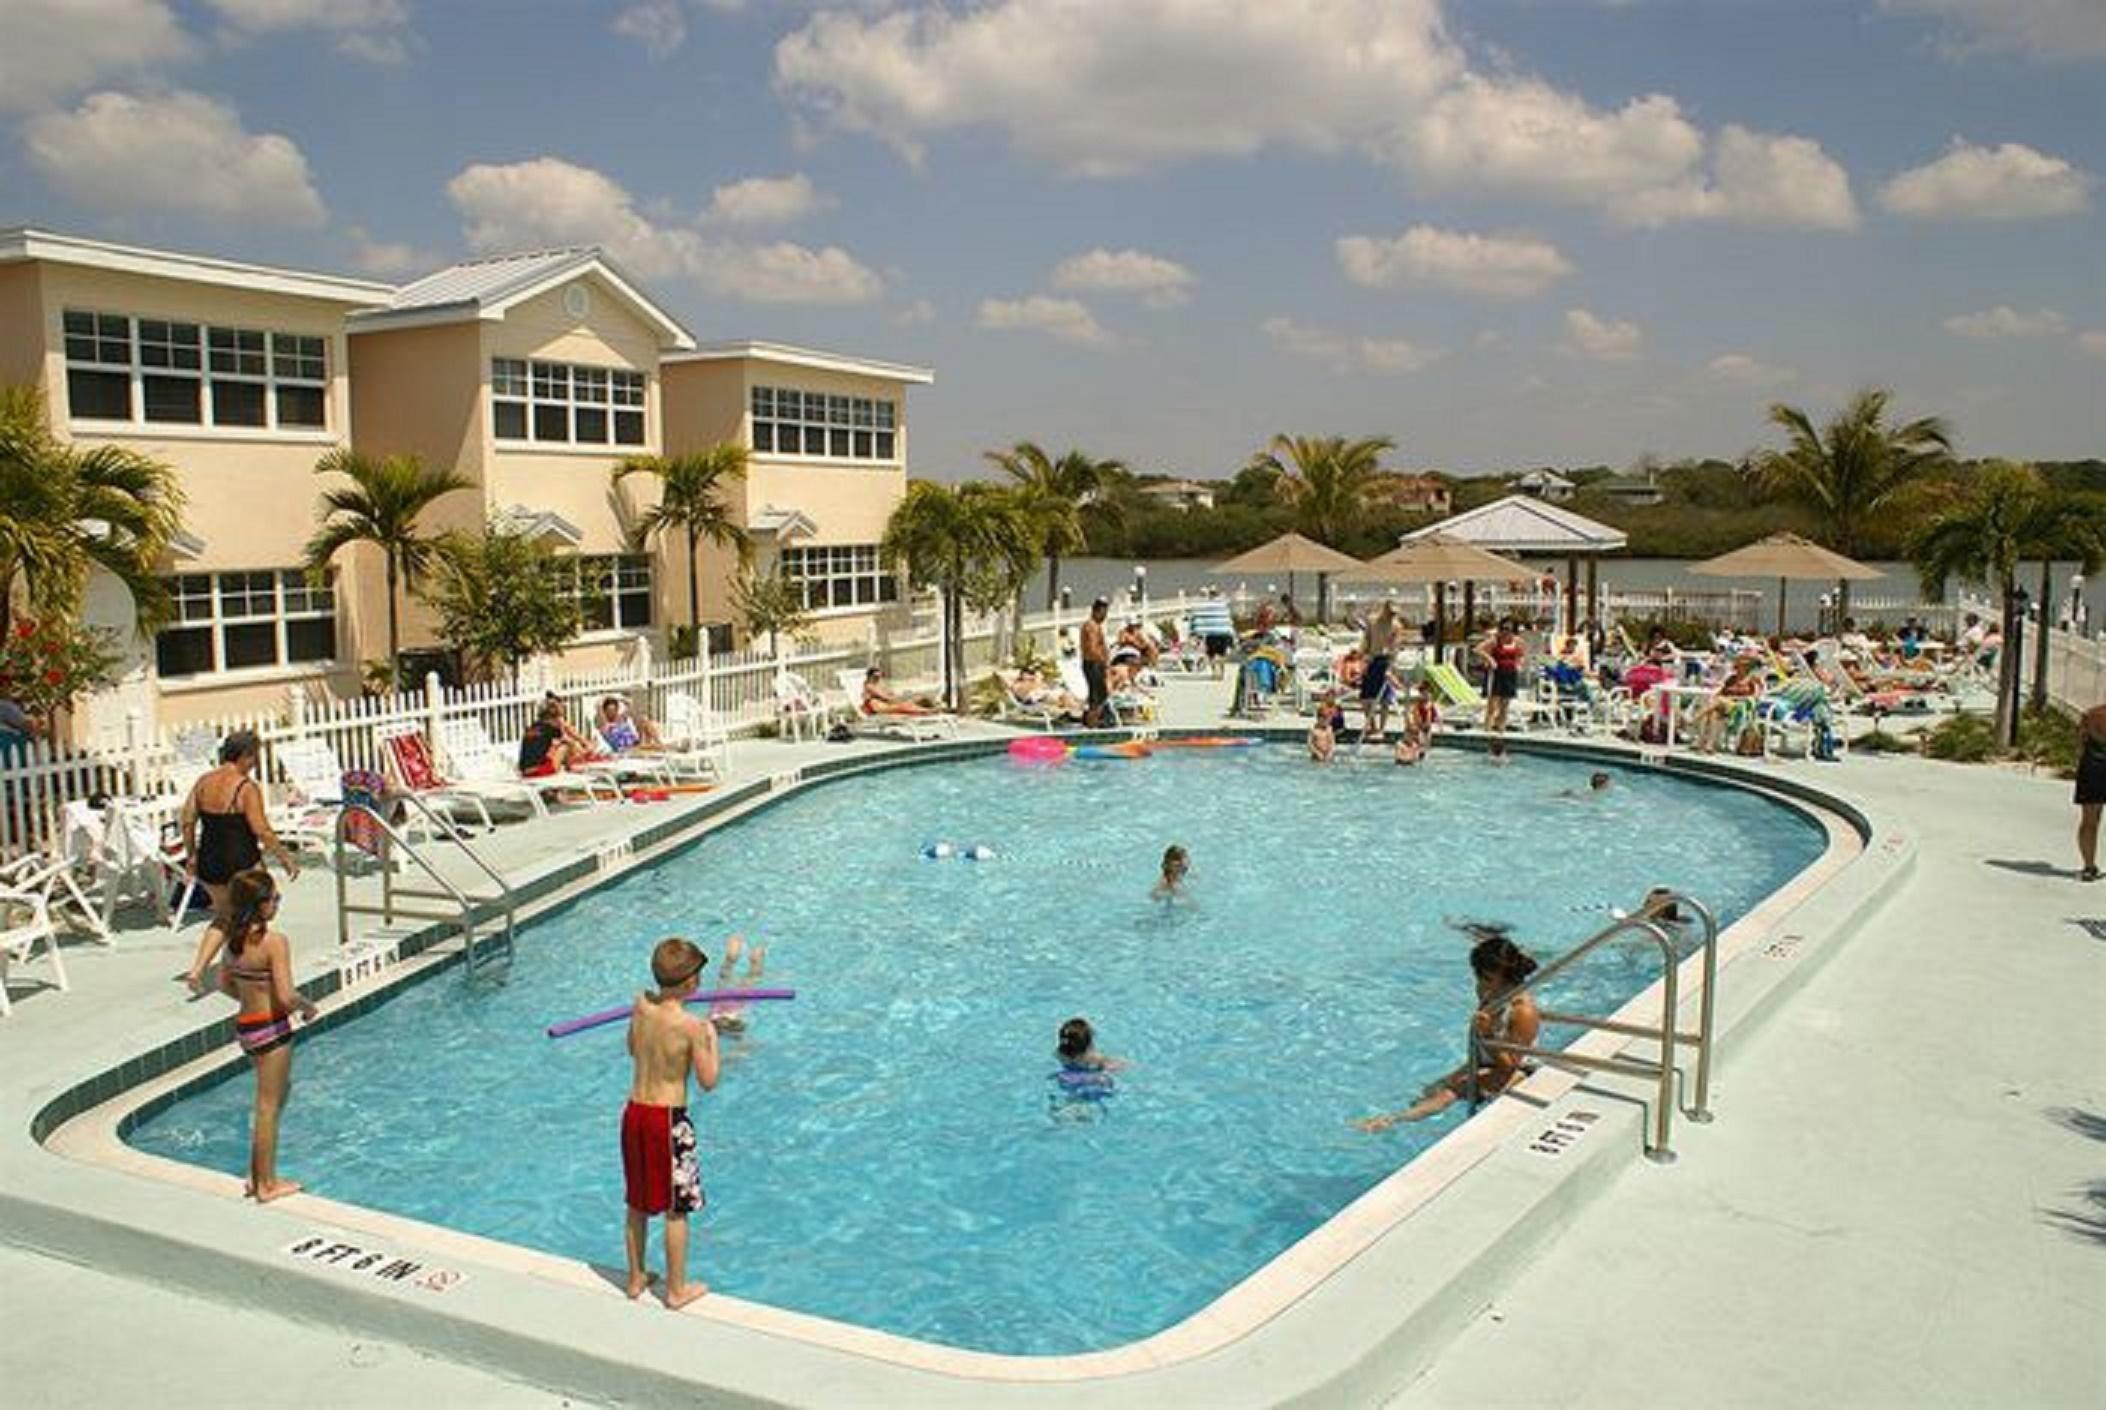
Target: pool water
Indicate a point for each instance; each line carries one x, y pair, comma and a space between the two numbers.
891, 1149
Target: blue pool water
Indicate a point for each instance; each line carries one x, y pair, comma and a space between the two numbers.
889, 1149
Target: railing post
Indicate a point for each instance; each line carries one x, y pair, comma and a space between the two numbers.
434, 708
296, 710
135, 750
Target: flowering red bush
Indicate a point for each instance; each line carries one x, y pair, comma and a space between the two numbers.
47, 665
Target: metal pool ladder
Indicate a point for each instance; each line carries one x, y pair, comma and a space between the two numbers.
1664, 1070
466, 911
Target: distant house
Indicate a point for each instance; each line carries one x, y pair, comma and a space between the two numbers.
1546, 485
1635, 490
1415, 494
1179, 494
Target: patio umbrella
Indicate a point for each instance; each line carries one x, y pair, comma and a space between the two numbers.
1439, 559
1291, 554
1785, 557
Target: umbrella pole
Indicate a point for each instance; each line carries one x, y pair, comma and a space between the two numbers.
1782, 586
1594, 590
1469, 609
1572, 595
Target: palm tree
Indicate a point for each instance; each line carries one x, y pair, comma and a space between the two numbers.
2062, 528
1052, 493
1981, 537
380, 506
694, 498
947, 539
65, 511
1851, 469
1326, 480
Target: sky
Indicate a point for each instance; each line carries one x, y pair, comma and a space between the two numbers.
1501, 233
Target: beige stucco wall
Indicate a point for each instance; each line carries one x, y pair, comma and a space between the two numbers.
21, 326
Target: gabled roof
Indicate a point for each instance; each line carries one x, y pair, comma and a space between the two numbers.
1521, 524
538, 524
783, 524
486, 288
1548, 478
806, 357
19, 244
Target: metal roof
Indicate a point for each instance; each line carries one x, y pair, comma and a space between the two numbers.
805, 357
23, 243
486, 288
1522, 524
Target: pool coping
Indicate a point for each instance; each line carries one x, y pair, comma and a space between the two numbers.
1375, 1287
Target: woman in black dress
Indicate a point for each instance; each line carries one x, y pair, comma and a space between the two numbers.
2091, 788
226, 831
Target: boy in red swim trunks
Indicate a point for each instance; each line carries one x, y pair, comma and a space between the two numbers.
660, 1166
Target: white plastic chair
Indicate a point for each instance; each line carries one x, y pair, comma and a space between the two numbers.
25, 922
480, 764
694, 744
911, 727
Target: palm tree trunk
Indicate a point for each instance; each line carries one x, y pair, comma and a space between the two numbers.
1052, 581
694, 592
394, 628
1842, 603
2040, 635
2006, 722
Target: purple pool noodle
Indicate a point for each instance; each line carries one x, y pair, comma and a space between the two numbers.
706, 996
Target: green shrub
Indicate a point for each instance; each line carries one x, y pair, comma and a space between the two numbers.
1880, 742
2049, 741
1963, 739
1686, 633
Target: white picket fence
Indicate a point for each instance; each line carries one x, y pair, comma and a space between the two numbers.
2076, 670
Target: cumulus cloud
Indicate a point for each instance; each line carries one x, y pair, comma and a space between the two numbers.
2093, 341
55, 48
1527, 137
1502, 266
1066, 319
548, 201
375, 30
1112, 89
180, 152
659, 25
2008, 182
1161, 283
1345, 353
765, 200
2048, 30
1745, 371
1757, 178
2003, 321
389, 258
1602, 339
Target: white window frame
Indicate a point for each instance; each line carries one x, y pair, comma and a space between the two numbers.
292, 600
852, 566
534, 384
203, 372
619, 572
857, 421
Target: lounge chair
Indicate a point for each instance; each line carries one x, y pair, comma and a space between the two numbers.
1455, 689
411, 768
913, 727
25, 922
695, 745
1040, 713
480, 764
1130, 705
799, 711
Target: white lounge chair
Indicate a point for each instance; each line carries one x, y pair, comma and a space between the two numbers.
914, 727
25, 922
56, 877
1122, 705
480, 764
413, 768
799, 711
695, 744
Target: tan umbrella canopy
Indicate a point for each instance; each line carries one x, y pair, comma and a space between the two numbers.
1439, 559
1785, 557
1291, 554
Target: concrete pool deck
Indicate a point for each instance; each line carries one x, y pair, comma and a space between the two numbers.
1695, 1216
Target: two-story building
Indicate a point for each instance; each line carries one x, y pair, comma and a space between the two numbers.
532, 375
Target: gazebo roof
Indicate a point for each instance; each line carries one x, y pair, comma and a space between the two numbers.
1521, 524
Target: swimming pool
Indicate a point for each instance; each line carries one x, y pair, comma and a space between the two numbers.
888, 1149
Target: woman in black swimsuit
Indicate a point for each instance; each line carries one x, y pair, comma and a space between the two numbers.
225, 831
2091, 788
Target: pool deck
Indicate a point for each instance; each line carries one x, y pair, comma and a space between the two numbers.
1902, 1200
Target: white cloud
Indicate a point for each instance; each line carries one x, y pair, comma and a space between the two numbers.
1112, 89
389, 258
1345, 353
1066, 319
1602, 339
1161, 283
375, 30
2041, 29
1526, 137
915, 314
548, 201
55, 48
181, 152
2093, 341
2003, 321
765, 200
659, 25
1757, 178
2009, 182
1745, 371
1503, 266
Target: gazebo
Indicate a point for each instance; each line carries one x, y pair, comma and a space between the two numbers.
1522, 525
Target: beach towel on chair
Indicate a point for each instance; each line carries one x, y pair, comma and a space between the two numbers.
413, 761
367, 791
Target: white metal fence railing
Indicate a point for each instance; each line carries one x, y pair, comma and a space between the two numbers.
2076, 670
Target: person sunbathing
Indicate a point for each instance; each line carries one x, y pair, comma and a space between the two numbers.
625, 731
1034, 692
877, 700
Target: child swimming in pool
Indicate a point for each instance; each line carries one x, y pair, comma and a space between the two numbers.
1077, 1049
1323, 735
661, 1171
729, 1015
1177, 864
1499, 966
1410, 749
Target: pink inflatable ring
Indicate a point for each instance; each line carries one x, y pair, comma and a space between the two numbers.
1038, 749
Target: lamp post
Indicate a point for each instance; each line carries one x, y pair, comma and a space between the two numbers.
1140, 588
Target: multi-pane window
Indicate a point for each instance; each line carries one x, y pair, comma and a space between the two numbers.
840, 575
616, 589
171, 372
244, 620
564, 404
788, 422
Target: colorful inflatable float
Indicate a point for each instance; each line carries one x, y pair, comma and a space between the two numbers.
1045, 749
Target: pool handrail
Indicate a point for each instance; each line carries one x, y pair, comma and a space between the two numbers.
466, 906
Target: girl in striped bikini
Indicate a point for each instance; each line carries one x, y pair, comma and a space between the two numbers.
258, 974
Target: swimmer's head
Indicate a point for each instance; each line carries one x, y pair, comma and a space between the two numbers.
1597, 782
1075, 1038
1497, 960
1176, 862
676, 963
